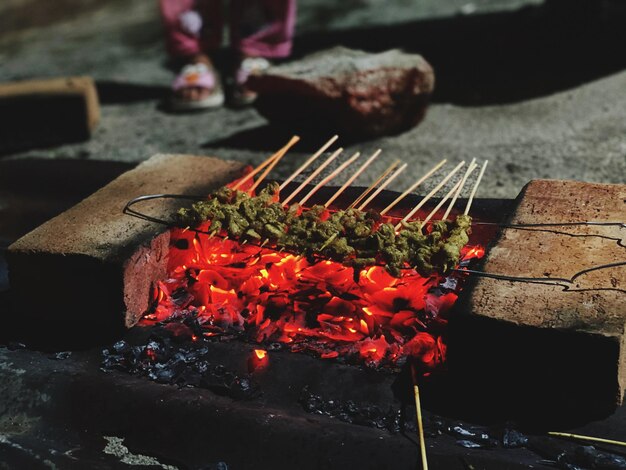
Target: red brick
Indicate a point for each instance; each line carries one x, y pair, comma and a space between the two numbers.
89, 270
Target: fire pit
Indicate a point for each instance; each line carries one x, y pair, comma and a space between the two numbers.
192, 293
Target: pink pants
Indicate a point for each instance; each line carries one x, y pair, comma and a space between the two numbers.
261, 28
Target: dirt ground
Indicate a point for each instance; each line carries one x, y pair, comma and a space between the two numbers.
538, 89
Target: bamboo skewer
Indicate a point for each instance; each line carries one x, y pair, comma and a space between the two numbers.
375, 183
328, 178
268, 161
413, 187
317, 171
308, 161
353, 177
472, 166
386, 183
430, 194
475, 188
454, 189
420, 426
588, 438
280, 154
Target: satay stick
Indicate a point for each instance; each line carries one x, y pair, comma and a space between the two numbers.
375, 183
420, 427
328, 178
317, 171
413, 187
472, 166
280, 154
475, 188
386, 183
441, 203
309, 161
430, 194
268, 161
588, 438
353, 177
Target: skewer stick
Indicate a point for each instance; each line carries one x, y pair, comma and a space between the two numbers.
280, 154
441, 203
353, 177
263, 165
309, 161
375, 183
430, 194
472, 166
413, 187
328, 178
475, 188
420, 426
317, 171
588, 438
383, 186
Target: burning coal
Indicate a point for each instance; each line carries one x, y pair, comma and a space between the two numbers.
315, 306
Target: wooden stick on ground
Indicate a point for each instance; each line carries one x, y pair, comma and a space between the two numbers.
328, 178
430, 194
472, 166
268, 161
310, 160
353, 177
475, 188
386, 183
420, 426
280, 154
587, 438
375, 183
413, 187
317, 171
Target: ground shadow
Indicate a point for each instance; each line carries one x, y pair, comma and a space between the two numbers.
502, 57
270, 137
112, 92
34, 190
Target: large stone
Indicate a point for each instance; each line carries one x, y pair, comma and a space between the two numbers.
347, 91
86, 274
561, 348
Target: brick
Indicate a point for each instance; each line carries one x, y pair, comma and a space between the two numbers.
89, 270
45, 112
565, 349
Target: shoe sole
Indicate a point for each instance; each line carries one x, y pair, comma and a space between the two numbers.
213, 101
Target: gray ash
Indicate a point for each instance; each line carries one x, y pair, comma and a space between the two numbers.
177, 354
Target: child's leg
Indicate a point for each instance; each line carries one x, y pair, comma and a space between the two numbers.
193, 29
263, 28
179, 42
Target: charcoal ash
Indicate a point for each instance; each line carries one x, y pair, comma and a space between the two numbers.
177, 354
61, 355
363, 414
590, 457
513, 439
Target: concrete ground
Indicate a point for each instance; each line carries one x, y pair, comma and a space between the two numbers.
534, 88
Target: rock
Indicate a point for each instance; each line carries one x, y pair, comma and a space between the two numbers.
351, 92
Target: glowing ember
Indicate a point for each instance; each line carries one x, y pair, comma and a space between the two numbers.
265, 296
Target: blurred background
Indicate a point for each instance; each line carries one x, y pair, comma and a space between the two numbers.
535, 86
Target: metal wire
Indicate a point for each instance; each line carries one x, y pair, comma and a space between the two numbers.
555, 281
